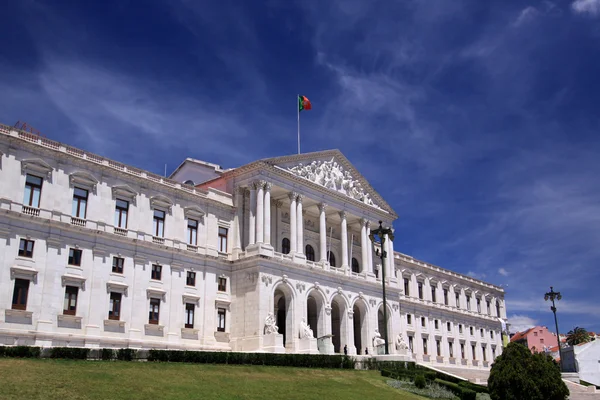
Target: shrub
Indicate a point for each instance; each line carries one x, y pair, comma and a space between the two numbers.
107, 354
20, 351
420, 381
430, 376
518, 374
473, 386
125, 354
468, 394
73, 353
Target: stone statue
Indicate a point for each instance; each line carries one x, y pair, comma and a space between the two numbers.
270, 326
400, 343
332, 175
377, 340
305, 331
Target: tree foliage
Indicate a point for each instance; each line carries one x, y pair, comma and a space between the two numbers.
577, 336
517, 374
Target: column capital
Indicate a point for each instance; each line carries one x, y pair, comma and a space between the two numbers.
364, 222
322, 207
268, 186
241, 190
300, 198
259, 184
277, 203
343, 214
292, 196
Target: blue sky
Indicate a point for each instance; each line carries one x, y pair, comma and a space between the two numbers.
477, 120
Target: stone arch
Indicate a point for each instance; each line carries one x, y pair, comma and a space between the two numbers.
316, 303
339, 322
283, 296
360, 326
285, 245
355, 265
381, 325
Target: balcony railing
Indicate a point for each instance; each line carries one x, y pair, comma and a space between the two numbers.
31, 211
192, 248
77, 221
158, 240
120, 231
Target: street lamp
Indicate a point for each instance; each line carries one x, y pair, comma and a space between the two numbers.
552, 295
380, 233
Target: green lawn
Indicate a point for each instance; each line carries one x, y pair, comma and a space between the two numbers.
67, 380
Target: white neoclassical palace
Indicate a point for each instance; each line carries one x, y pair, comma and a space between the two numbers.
272, 256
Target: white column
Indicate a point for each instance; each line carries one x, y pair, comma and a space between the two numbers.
370, 249
260, 211
364, 245
344, 238
392, 262
322, 232
239, 215
386, 248
293, 229
267, 216
252, 217
299, 225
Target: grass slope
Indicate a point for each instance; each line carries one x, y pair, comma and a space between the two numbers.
68, 380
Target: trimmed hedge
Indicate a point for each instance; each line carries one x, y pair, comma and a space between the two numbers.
107, 354
280, 360
73, 353
463, 392
20, 351
125, 354
474, 387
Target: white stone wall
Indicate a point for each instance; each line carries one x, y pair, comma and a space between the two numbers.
252, 279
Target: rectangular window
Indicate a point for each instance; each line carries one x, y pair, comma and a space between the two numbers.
410, 343
423, 322
471, 330
80, 198
406, 287
189, 315
469, 302
33, 191
437, 325
478, 305
483, 352
448, 326
534, 333
192, 232
493, 353
117, 266
462, 351
221, 319
497, 309
542, 340
70, 303
459, 328
473, 350
156, 272
408, 319
424, 345
114, 308
446, 296
481, 332
451, 349
433, 295
158, 228
26, 248
154, 311
438, 346
75, 257
457, 300
222, 287
191, 278
21, 290
121, 211
223, 240
489, 310
420, 286
492, 334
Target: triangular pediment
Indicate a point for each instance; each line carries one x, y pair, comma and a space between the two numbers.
332, 170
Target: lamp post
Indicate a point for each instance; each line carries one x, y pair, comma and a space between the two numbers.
552, 295
380, 233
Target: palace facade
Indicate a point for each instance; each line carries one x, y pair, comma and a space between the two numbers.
271, 256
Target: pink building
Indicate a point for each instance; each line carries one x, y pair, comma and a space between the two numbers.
537, 339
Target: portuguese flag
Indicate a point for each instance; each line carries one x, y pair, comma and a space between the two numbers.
303, 103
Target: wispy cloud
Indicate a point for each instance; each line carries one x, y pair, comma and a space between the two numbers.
520, 323
503, 272
527, 14
589, 7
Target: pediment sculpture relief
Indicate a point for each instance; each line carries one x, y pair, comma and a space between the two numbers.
331, 175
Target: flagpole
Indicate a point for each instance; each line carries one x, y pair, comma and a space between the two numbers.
298, 108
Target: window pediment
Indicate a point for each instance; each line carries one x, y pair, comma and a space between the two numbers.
156, 293
125, 192
194, 212
160, 201
190, 298
117, 287
85, 179
73, 280
36, 166
21, 272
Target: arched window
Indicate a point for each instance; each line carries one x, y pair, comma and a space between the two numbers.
310, 253
285, 246
331, 258
355, 266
